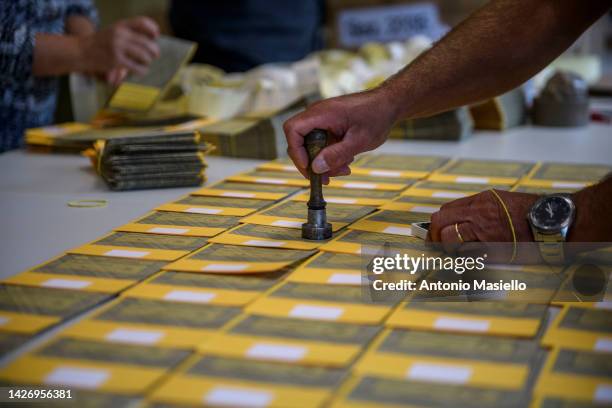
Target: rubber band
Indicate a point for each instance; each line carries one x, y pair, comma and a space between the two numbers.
514, 243
458, 233
87, 203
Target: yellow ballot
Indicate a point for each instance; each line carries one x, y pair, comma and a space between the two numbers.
309, 342
87, 273
222, 381
292, 214
93, 365
212, 205
495, 318
25, 309
580, 375
451, 358
266, 236
581, 328
217, 258
481, 171
141, 246
229, 189
565, 175
181, 223
330, 268
153, 322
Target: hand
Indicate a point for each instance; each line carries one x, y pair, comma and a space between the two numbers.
356, 123
482, 218
127, 45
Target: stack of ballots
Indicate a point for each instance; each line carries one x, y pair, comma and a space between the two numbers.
151, 160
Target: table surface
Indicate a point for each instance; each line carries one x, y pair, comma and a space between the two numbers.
36, 223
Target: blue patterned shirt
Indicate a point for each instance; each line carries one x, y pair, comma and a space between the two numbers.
26, 101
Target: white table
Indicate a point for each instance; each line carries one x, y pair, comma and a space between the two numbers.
36, 223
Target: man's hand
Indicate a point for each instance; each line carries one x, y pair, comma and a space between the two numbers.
356, 123
482, 218
128, 45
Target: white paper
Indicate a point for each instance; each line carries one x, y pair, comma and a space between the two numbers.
126, 253
287, 224
472, 180
135, 336
224, 267
280, 352
439, 373
230, 396
316, 312
237, 194
448, 194
398, 230
354, 184
66, 283
263, 243
345, 279
164, 230
603, 394
603, 344
201, 210
80, 377
471, 325
270, 181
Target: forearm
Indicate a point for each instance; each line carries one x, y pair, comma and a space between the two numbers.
79, 25
593, 221
496, 49
56, 55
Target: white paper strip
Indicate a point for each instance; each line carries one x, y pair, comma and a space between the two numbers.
77, 376
278, 352
201, 210
263, 243
398, 230
345, 279
603, 344
472, 180
472, 325
316, 312
135, 336
287, 224
164, 230
237, 194
125, 253
367, 186
228, 396
439, 373
225, 267
191, 296
66, 283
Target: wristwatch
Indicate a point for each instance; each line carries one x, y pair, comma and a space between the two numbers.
550, 219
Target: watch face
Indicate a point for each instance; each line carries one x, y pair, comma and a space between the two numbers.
552, 213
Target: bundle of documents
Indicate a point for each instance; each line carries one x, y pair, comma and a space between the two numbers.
151, 160
216, 299
502, 112
456, 124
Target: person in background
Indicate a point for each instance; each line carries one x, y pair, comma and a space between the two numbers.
496, 49
241, 34
41, 40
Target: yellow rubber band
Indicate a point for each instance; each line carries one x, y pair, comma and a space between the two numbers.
458, 233
514, 244
87, 203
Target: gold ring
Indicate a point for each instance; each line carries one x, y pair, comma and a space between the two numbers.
458, 233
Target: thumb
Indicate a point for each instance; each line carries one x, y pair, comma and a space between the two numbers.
334, 157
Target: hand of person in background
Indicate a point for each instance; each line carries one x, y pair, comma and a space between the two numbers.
127, 46
491, 216
356, 123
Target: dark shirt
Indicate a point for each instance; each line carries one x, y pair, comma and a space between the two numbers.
237, 35
27, 101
